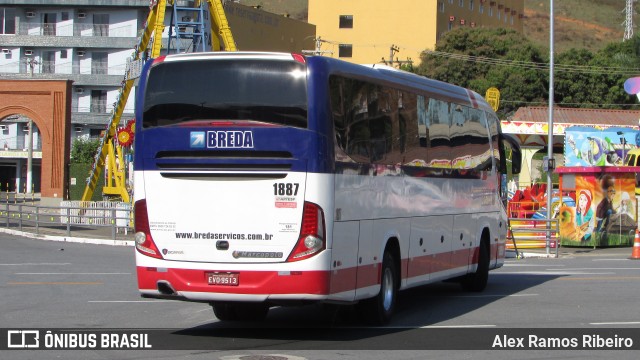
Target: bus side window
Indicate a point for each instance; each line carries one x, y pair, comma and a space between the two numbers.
437, 131
498, 149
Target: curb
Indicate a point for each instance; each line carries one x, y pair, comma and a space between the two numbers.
69, 238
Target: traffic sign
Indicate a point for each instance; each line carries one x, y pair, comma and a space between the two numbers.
493, 98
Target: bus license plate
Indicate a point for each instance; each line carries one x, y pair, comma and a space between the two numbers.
226, 279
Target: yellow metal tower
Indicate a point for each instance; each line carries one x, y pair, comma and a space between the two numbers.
190, 28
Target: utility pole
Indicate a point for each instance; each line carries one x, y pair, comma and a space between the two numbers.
392, 52
317, 51
628, 22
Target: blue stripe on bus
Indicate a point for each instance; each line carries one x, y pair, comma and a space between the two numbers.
173, 147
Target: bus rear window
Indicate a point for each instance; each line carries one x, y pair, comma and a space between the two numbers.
240, 89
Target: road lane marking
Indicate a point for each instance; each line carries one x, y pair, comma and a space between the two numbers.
431, 327
554, 273
455, 326
72, 273
482, 296
130, 301
526, 265
617, 323
625, 259
36, 264
583, 269
57, 283
604, 278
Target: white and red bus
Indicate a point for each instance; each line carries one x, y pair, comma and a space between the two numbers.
269, 179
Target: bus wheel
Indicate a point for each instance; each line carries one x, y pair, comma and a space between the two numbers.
477, 281
240, 311
378, 310
224, 311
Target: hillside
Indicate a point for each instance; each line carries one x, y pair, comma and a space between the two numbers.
582, 24
588, 24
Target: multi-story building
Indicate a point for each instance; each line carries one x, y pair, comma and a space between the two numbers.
371, 31
90, 42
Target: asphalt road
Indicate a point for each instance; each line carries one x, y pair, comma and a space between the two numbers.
53, 285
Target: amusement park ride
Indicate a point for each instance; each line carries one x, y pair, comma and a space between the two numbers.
201, 26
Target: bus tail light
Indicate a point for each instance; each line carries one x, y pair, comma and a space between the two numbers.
312, 233
144, 242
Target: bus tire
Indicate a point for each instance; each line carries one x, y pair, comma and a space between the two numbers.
477, 281
240, 311
379, 309
224, 311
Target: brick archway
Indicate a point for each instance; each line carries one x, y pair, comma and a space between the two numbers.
48, 104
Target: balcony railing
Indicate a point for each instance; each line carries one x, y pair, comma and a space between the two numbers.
32, 65
96, 106
102, 30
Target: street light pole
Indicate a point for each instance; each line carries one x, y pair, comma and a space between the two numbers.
549, 159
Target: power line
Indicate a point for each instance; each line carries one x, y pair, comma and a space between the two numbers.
585, 69
536, 65
563, 103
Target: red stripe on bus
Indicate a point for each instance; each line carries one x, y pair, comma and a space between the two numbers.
308, 282
250, 282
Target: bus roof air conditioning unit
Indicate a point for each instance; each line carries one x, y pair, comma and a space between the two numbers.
30, 14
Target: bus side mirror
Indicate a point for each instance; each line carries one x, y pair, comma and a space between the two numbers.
516, 153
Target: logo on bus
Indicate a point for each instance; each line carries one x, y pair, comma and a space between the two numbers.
230, 139
197, 139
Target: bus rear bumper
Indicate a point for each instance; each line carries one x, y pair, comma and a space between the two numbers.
253, 286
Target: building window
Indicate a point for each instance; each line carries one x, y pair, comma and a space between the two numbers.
49, 24
101, 25
64, 16
461, 3
346, 21
481, 8
98, 101
99, 61
7, 21
490, 11
441, 6
48, 62
95, 133
345, 50
471, 5
63, 54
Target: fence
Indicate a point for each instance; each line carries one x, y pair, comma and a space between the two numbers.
100, 219
533, 234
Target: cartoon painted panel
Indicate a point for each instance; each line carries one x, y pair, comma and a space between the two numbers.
604, 213
587, 146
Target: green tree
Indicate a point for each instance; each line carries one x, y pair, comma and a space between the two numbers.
616, 60
572, 88
482, 58
492, 57
83, 150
